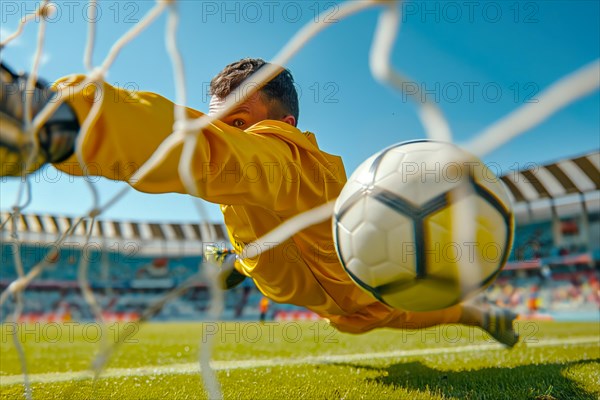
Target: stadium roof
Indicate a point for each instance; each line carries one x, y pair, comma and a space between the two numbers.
121, 230
559, 179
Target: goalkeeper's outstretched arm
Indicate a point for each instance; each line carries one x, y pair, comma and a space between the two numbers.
260, 166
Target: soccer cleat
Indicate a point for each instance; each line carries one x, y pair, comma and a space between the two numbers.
228, 277
499, 323
55, 140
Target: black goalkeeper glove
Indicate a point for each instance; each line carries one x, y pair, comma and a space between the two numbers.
55, 139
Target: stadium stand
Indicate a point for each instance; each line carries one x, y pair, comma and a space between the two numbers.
553, 270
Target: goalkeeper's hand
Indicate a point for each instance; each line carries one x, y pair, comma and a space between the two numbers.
227, 277
21, 153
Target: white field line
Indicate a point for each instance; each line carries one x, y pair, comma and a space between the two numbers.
192, 368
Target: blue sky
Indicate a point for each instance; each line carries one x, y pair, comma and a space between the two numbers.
477, 60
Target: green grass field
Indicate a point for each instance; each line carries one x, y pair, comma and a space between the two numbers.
308, 360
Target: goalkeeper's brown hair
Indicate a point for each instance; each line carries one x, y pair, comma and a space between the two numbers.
279, 93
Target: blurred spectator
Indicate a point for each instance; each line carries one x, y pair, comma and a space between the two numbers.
264, 308
533, 303
158, 268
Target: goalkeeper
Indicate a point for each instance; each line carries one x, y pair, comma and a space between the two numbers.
254, 162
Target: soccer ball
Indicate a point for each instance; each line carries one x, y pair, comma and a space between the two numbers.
423, 225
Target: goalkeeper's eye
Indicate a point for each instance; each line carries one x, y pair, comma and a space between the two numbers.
238, 123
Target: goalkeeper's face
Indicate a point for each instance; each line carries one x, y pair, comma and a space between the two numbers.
255, 109
248, 113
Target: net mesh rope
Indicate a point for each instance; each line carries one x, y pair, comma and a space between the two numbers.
186, 130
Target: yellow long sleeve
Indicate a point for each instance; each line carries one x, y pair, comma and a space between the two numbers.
271, 164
